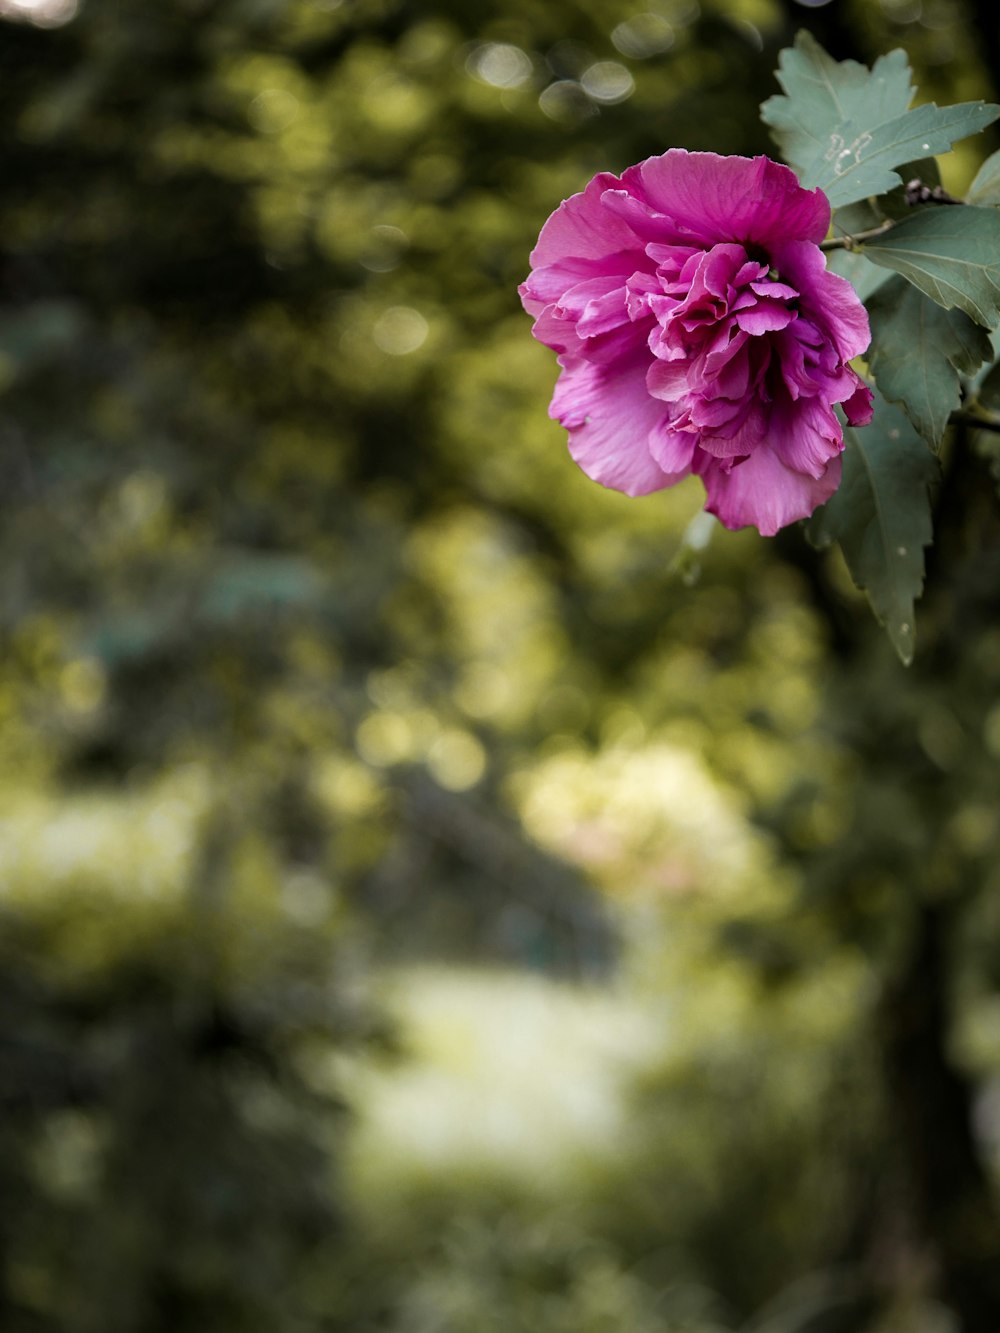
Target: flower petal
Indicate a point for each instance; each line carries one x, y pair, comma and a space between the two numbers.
805, 435
859, 408
831, 301
673, 449
762, 493
582, 228
750, 200
609, 416
551, 282
765, 317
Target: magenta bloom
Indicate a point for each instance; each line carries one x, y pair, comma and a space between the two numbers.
698, 331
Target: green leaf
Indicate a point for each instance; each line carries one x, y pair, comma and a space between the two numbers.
984, 386
881, 518
951, 254
866, 214
985, 189
844, 127
989, 390
918, 352
865, 278
822, 93
864, 165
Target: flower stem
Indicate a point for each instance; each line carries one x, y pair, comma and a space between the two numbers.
851, 242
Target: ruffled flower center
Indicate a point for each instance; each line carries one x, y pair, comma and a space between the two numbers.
726, 330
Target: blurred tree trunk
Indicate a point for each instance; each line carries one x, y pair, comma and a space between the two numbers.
953, 1207
950, 1210
931, 1102
930, 1105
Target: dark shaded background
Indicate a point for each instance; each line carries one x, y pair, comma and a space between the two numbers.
436, 898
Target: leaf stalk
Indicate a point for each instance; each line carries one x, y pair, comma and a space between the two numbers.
858, 240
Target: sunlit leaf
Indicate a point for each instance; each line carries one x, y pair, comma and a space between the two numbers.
845, 128
919, 350
951, 254
881, 518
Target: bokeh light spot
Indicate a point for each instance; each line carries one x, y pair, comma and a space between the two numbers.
500, 64
608, 81
566, 101
384, 738
42, 13
457, 760
643, 36
385, 248
273, 110
400, 330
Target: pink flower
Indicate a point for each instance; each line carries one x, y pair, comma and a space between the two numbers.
698, 331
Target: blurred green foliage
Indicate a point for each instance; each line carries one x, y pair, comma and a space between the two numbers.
321, 661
